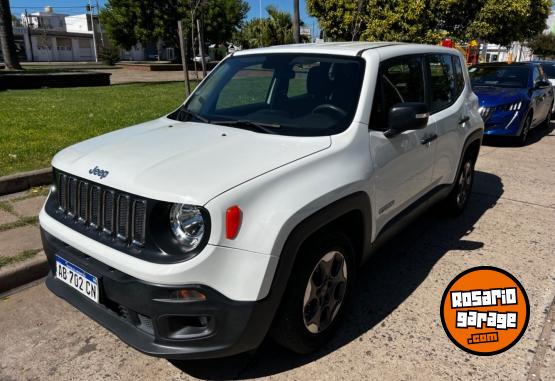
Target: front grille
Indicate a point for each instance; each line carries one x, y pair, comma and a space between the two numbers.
112, 212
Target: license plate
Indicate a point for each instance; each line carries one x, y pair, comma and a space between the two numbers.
80, 280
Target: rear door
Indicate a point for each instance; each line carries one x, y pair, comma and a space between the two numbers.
449, 110
403, 163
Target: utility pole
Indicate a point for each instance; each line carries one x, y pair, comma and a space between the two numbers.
27, 23
260, 23
99, 26
183, 46
296, 22
201, 49
90, 9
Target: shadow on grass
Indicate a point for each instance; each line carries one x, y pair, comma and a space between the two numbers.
384, 283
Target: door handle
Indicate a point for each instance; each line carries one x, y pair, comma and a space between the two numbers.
428, 139
464, 119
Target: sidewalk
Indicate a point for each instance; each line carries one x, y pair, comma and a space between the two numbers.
125, 75
20, 244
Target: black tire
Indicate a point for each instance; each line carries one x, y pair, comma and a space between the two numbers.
455, 203
522, 138
291, 328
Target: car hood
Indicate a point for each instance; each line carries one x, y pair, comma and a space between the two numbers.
489, 96
182, 161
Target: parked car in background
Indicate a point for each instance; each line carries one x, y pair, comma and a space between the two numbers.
549, 69
233, 48
199, 58
514, 98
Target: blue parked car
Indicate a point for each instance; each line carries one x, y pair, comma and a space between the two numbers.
514, 98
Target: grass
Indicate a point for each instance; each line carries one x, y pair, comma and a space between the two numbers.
35, 124
23, 256
19, 223
7, 207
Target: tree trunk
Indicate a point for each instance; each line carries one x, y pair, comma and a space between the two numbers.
296, 22
6, 36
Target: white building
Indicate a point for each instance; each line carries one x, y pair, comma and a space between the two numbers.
51, 36
517, 51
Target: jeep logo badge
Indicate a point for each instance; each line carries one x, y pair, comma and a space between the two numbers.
98, 172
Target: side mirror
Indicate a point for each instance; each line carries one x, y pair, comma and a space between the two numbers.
407, 116
542, 84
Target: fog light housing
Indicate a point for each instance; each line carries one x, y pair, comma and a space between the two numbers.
187, 295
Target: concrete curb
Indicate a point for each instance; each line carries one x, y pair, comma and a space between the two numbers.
18, 274
25, 180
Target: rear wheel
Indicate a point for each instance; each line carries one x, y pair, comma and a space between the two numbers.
457, 200
317, 294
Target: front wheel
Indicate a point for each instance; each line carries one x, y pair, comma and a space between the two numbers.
523, 137
317, 294
457, 200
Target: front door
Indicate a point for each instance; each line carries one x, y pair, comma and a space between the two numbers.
539, 95
403, 164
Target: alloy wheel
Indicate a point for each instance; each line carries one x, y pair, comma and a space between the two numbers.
525, 131
465, 184
325, 292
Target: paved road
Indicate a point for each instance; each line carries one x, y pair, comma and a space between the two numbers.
394, 331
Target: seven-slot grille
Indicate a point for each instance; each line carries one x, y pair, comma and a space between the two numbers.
112, 212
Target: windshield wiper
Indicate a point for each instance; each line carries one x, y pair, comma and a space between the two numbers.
191, 115
265, 127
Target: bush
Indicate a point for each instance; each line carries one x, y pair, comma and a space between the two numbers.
109, 56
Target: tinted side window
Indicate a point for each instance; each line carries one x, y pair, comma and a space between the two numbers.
459, 76
442, 81
537, 74
400, 80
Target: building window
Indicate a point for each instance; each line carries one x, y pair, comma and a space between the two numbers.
63, 43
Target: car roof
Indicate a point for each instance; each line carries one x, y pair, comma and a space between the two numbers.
355, 48
500, 64
544, 62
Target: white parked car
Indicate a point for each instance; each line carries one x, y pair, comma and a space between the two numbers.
199, 58
249, 209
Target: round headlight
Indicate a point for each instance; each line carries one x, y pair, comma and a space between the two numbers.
187, 225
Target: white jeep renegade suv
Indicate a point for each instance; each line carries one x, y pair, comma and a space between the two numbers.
249, 209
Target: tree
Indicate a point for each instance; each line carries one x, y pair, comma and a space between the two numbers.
496, 21
296, 22
277, 29
6, 36
129, 22
504, 21
543, 45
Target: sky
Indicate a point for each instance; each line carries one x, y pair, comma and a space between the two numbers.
78, 6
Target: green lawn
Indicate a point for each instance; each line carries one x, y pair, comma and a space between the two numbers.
35, 124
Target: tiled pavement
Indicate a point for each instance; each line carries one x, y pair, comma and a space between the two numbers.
19, 233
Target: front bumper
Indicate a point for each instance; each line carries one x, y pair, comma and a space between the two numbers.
142, 315
504, 123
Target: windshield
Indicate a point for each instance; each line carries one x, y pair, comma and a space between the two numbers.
502, 76
287, 94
